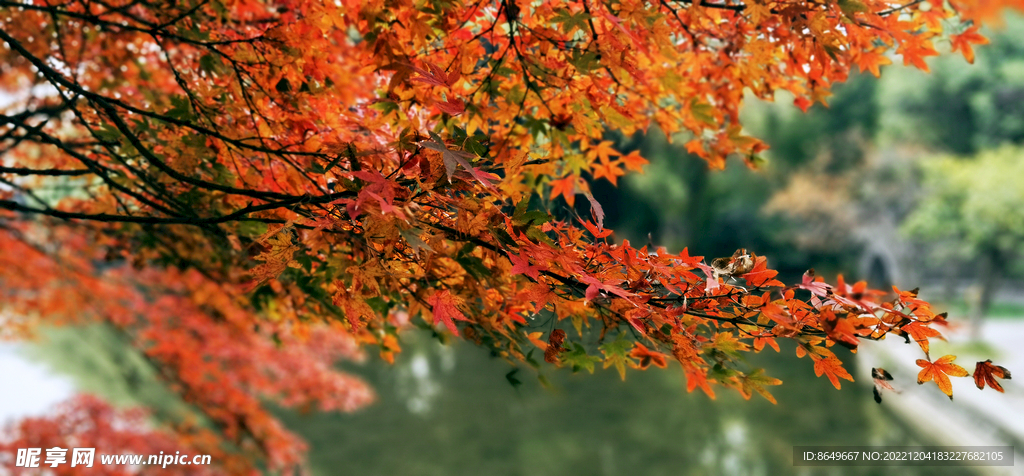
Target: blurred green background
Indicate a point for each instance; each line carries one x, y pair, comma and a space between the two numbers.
913, 179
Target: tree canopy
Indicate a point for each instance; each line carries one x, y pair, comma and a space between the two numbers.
249, 190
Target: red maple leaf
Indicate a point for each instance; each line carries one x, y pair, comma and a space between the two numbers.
815, 284
436, 76
521, 265
445, 309
453, 106
761, 276
986, 373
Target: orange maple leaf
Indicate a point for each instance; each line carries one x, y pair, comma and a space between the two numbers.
603, 151
986, 373
566, 187
832, 367
646, 357
921, 333
608, 170
871, 61
698, 377
633, 161
914, 51
839, 330
939, 371
964, 40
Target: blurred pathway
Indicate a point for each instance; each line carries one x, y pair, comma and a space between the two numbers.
27, 388
974, 418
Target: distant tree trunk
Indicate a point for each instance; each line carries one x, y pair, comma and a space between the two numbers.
698, 206
990, 269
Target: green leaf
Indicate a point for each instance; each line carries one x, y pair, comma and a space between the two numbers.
570, 22
850, 7
473, 265
614, 118
209, 63
721, 373
180, 109
585, 61
412, 236
755, 381
252, 228
579, 360
511, 377
703, 112
386, 107
475, 145
503, 237
617, 353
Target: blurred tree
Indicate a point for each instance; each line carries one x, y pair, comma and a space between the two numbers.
970, 210
960, 109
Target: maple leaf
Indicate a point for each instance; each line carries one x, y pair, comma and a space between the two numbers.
436, 76
939, 372
453, 106
839, 330
914, 50
598, 212
760, 275
645, 357
872, 61
986, 373
921, 334
964, 40
602, 151
816, 285
881, 378
832, 367
761, 340
616, 353
444, 306
566, 187
609, 171
454, 158
633, 161
597, 285
698, 377
569, 21
578, 359
555, 341
756, 381
521, 265
534, 338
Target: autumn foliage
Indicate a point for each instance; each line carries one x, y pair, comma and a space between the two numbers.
251, 190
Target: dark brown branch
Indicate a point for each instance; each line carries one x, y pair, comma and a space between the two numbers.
46, 172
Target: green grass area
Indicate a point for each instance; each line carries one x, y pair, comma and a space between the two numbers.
959, 310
